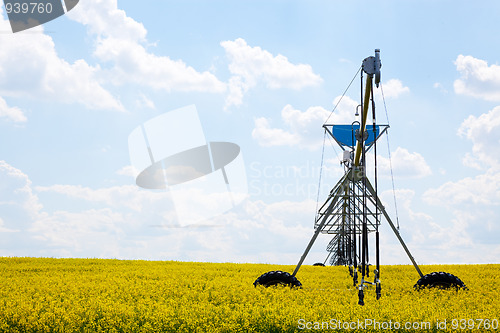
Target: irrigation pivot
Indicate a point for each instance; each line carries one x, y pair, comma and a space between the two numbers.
353, 209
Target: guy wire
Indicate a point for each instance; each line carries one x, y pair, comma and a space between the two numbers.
390, 160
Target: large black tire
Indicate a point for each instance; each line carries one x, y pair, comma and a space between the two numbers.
440, 280
276, 278
319, 264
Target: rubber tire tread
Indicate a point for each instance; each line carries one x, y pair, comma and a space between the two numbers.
429, 281
319, 264
274, 278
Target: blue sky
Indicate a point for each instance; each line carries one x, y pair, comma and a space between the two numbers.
264, 75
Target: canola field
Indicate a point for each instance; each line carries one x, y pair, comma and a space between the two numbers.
96, 295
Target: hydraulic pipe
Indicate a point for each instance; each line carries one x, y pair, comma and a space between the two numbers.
366, 103
344, 222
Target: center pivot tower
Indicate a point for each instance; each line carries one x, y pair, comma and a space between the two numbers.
356, 212
353, 209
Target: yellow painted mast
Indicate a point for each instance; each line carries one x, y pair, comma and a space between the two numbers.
361, 141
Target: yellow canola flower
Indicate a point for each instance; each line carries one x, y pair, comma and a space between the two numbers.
95, 295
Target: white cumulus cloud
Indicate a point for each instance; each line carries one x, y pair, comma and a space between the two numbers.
483, 189
127, 222
484, 132
50, 77
31, 67
303, 128
251, 65
133, 224
144, 102
130, 196
474, 201
103, 18
394, 88
121, 41
14, 114
405, 164
131, 62
477, 78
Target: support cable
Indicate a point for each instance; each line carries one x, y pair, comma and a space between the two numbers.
378, 288
345, 91
390, 159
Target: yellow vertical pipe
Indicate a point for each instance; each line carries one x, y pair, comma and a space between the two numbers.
361, 142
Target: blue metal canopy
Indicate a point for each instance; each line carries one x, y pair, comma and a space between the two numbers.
344, 135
